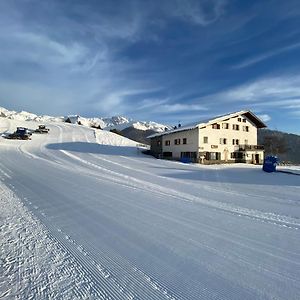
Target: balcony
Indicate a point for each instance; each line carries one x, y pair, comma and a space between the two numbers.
248, 148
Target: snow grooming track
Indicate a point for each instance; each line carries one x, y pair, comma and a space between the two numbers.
33, 263
100, 275
102, 283
279, 220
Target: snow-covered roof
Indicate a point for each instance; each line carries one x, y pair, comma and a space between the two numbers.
247, 113
72, 118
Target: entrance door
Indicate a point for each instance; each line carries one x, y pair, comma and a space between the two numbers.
257, 158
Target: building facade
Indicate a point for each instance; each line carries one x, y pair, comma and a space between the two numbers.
228, 138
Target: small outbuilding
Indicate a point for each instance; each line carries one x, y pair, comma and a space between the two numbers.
74, 119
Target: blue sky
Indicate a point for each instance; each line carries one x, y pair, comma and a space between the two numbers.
165, 61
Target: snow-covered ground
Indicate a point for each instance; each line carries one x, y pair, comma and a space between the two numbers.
85, 215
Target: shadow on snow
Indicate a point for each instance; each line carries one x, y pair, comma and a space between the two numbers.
240, 175
95, 148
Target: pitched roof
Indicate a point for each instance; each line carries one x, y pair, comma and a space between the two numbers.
247, 113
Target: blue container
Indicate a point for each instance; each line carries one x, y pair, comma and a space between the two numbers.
185, 160
270, 163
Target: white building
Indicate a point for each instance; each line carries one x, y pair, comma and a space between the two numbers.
227, 138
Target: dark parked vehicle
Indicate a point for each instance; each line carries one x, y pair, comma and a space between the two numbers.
21, 133
42, 129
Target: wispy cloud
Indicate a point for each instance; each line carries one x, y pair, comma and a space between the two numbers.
199, 12
274, 90
181, 108
254, 60
39, 48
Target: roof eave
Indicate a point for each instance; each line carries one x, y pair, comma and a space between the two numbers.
257, 121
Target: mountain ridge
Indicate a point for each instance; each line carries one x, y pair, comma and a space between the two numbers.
107, 123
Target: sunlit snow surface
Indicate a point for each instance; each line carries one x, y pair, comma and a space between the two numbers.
85, 215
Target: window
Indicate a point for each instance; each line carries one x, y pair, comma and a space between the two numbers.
177, 141
238, 155
235, 127
184, 141
235, 142
167, 154
246, 128
223, 141
158, 143
225, 125
167, 143
205, 139
213, 156
192, 155
239, 119
244, 120
216, 126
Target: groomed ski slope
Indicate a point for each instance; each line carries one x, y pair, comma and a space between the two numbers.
85, 215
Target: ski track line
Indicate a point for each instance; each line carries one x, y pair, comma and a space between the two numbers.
5, 172
198, 225
228, 190
279, 220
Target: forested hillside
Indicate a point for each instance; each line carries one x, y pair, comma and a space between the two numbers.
285, 145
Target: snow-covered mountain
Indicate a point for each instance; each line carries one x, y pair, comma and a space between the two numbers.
115, 122
121, 123
27, 116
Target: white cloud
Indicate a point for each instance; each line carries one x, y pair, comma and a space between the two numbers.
265, 117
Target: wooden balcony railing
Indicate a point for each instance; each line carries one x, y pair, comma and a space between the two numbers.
248, 147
